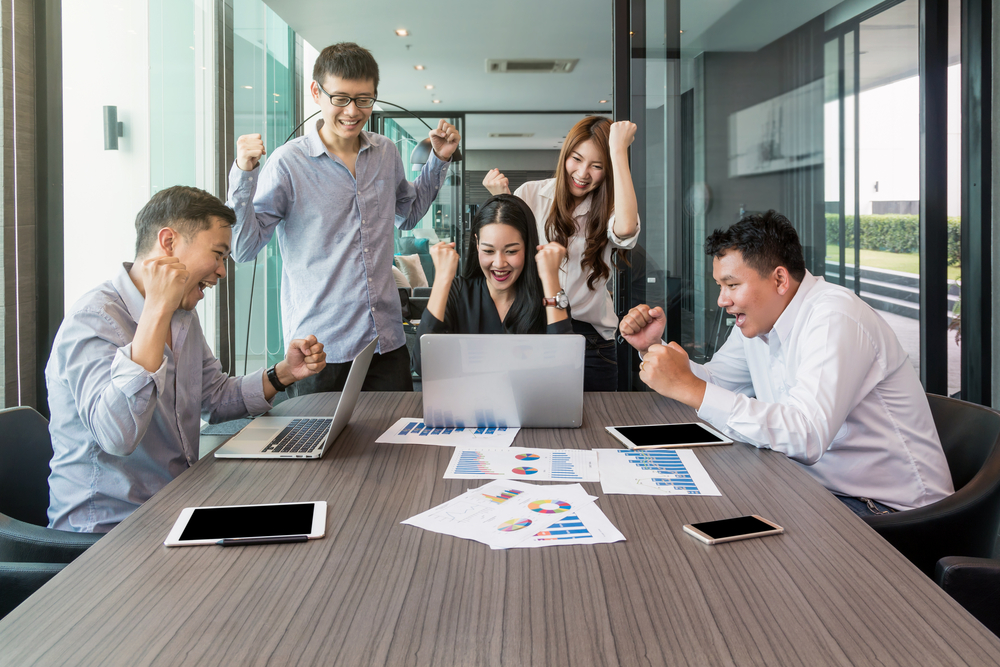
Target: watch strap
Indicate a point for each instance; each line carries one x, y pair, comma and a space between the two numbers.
272, 377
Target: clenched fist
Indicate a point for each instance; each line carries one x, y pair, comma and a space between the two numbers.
249, 150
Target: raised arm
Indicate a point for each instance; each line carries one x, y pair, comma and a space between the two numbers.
445, 268
549, 258
413, 199
258, 195
626, 208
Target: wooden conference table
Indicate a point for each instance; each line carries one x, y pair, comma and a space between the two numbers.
374, 592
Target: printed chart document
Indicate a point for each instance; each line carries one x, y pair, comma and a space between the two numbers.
536, 465
503, 513
413, 431
654, 472
586, 525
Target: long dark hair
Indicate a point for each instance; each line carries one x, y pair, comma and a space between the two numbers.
560, 225
526, 314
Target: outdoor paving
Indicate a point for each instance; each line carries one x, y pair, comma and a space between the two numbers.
908, 332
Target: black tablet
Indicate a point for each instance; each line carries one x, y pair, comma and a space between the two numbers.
667, 436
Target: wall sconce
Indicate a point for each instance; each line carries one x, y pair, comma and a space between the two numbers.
112, 128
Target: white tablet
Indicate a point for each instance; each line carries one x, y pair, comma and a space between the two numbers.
252, 524
668, 436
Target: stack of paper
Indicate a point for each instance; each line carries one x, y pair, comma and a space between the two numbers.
506, 514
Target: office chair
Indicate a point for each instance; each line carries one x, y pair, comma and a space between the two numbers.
30, 553
975, 584
965, 523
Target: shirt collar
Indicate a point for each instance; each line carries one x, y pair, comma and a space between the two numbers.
783, 327
128, 291
316, 147
548, 191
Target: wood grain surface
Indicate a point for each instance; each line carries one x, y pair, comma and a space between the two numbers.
829, 591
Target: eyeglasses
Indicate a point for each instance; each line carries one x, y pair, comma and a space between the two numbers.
344, 100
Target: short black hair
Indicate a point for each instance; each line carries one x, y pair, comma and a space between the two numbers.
766, 242
185, 209
346, 60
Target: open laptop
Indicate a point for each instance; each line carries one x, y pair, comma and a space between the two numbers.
300, 437
529, 381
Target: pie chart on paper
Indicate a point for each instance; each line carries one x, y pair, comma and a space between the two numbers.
513, 524
525, 471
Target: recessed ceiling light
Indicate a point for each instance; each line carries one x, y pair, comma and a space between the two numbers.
436, 101
418, 67
682, 32
402, 32
248, 87
429, 87
603, 102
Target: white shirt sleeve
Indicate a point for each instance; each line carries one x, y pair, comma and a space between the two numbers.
838, 367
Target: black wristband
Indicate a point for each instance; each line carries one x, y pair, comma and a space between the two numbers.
272, 377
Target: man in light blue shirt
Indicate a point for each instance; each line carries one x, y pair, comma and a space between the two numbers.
333, 196
130, 371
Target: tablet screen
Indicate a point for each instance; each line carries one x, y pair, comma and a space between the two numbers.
667, 434
216, 523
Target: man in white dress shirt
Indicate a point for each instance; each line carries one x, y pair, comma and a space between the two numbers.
810, 370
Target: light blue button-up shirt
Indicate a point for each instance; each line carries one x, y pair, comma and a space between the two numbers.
335, 233
120, 433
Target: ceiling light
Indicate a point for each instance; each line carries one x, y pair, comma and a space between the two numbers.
402, 32
682, 32
418, 67
429, 87
603, 102
436, 101
248, 87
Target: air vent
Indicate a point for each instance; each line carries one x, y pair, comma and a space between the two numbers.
510, 135
531, 66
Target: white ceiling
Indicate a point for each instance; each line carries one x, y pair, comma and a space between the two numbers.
453, 38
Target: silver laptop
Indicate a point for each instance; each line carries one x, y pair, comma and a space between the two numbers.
530, 381
300, 437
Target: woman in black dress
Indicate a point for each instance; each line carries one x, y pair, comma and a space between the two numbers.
510, 283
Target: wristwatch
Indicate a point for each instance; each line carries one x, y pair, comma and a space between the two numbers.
272, 377
558, 301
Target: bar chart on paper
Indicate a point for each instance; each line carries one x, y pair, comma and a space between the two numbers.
658, 472
552, 465
415, 432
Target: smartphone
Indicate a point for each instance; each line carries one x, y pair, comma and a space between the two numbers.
729, 530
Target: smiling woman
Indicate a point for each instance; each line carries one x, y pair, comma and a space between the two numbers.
503, 291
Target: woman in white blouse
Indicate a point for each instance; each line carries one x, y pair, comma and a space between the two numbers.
590, 209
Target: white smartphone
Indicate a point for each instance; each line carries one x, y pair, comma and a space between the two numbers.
277, 522
668, 436
730, 530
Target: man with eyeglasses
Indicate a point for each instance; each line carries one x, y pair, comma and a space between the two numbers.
333, 196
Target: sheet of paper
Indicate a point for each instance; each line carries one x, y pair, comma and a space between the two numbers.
503, 513
654, 472
413, 431
586, 525
529, 464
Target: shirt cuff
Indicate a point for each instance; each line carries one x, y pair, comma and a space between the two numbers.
252, 388
627, 243
129, 377
241, 185
717, 406
434, 162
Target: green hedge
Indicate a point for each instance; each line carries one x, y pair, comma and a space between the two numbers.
892, 233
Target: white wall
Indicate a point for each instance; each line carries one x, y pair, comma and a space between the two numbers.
105, 62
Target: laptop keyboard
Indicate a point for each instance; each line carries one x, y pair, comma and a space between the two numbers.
301, 436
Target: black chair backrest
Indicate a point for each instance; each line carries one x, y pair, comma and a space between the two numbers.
25, 452
968, 434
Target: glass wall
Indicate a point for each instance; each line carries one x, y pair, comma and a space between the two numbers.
807, 107
263, 103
